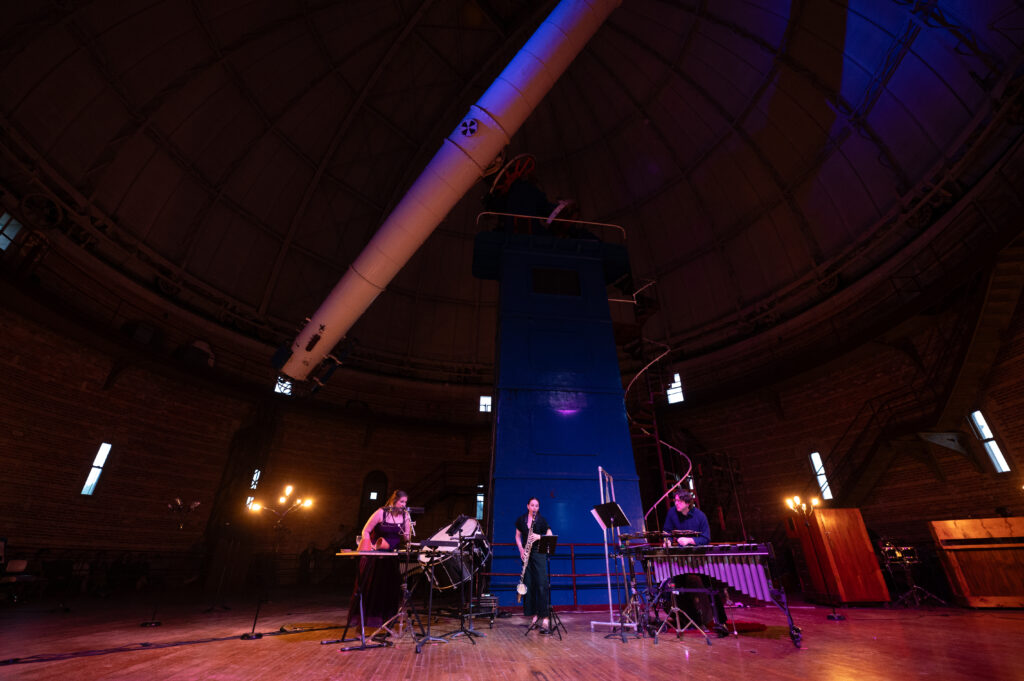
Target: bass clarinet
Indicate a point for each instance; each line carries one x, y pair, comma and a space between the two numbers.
521, 587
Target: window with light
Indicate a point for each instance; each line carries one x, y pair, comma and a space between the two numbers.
675, 390
819, 472
988, 439
97, 468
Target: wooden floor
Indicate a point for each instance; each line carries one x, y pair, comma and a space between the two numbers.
103, 640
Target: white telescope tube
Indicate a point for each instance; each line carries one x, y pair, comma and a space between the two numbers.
476, 141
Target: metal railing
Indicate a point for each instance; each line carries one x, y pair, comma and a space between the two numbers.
567, 581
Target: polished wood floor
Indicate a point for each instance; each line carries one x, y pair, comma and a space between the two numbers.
103, 640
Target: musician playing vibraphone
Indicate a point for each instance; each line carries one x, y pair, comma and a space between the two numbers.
685, 516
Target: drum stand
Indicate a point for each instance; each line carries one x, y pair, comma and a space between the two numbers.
672, 615
465, 614
426, 637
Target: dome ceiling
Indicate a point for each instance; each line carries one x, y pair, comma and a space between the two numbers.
233, 157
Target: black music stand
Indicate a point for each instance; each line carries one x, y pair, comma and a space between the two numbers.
610, 517
546, 546
465, 614
428, 570
905, 557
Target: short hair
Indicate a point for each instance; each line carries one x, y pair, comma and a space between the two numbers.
685, 495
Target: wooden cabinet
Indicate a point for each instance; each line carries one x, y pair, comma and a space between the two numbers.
839, 563
983, 559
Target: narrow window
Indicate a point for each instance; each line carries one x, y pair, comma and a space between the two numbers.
479, 506
675, 390
253, 484
97, 467
485, 403
988, 439
819, 472
9, 228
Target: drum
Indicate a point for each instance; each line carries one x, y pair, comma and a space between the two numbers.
445, 565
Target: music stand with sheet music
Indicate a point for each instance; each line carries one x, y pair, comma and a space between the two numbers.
610, 516
546, 546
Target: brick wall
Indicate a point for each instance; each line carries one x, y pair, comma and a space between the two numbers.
171, 435
771, 434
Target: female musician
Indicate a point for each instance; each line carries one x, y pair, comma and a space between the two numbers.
537, 601
380, 581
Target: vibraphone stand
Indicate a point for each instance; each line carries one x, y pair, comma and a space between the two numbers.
637, 609
672, 615
625, 621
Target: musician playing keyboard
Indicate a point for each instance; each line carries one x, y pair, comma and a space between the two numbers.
687, 517
379, 580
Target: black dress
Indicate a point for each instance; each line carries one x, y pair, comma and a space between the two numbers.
537, 600
379, 580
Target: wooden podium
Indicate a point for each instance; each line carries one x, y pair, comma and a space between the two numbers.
983, 559
839, 563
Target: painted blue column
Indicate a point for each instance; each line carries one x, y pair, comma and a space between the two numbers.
559, 409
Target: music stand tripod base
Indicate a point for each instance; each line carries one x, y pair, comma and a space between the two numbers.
545, 546
609, 516
464, 611
428, 572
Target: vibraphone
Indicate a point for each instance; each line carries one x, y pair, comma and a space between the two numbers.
743, 567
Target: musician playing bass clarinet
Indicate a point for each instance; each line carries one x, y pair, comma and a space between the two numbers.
687, 517
537, 600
